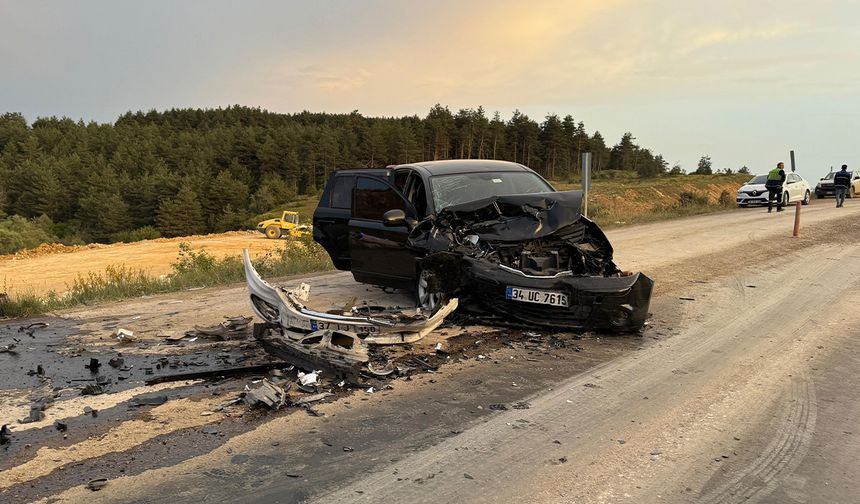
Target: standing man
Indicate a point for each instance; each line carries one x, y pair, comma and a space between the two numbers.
841, 183
775, 180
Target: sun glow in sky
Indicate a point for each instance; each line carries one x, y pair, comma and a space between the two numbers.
742, 81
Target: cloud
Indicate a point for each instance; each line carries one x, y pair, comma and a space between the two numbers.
721, 36
314, 76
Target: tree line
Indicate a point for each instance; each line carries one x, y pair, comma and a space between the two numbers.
191, 171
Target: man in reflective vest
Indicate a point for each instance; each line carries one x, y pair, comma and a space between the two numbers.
775, 180
841, 183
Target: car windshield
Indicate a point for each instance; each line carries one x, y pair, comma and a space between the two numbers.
758, 179
449, 190
829, 176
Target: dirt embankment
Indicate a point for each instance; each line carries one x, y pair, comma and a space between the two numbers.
632, 199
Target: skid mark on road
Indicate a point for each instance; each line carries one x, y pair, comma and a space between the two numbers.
781, 457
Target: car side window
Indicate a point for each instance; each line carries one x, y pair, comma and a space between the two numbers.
416, 194
341, 193
400, 179
373, 197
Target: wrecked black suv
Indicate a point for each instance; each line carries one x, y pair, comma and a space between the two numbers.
493, 233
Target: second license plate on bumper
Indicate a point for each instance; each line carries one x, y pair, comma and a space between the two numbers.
552, 298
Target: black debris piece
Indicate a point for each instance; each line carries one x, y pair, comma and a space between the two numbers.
30, 330
232, 328
498, 407
521, 405
5, 434
36, 414
311, 411
97, 484
116, 362
148, 401
39, 371
90, 411
310, 398
468, 476
93, 389
94, 365
269, 394
61, 426
217, 373
348, 449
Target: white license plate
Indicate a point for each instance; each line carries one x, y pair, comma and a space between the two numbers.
552, 298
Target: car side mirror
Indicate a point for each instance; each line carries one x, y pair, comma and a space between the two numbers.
396, 217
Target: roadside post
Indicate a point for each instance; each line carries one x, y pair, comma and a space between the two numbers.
586, 181
796, 231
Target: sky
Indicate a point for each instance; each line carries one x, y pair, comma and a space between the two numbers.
741, 81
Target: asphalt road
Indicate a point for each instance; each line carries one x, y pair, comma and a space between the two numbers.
743, 391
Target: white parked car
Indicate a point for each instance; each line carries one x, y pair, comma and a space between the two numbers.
754, 192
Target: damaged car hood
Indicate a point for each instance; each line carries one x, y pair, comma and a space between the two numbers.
517, 217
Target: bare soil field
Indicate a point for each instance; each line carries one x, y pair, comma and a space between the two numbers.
58, 267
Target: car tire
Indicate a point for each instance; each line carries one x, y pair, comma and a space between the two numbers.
273, 232
806, 197
785, 199
428, 301
850, 192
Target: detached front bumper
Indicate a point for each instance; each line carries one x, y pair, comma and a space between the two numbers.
616, 304
279, 306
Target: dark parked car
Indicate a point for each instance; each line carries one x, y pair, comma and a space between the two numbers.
824, 187
494, 233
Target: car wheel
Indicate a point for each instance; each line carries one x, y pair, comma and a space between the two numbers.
850, 193
785, 199
273, 232
428, 301
806, 198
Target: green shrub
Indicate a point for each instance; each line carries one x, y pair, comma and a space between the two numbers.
18, 233
136, 235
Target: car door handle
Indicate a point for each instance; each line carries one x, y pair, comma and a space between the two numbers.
326, 221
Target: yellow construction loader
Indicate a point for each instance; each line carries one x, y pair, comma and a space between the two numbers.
286, 225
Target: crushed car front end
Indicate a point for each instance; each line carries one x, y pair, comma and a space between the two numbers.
616, 303
533, 259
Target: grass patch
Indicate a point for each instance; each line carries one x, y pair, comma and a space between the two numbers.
614, 202
192, 269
